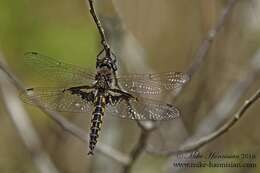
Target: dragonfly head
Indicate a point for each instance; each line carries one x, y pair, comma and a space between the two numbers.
108, 61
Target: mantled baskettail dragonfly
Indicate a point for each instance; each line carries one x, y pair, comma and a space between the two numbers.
97, 92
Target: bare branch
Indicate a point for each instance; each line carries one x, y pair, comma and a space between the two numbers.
203, 50
222, 130
68, 126
137, 150
140, 146
205, 46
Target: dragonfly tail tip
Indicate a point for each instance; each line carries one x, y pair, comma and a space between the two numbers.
90, 153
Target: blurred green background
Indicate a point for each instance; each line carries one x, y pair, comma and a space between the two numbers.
147, 36
56, 28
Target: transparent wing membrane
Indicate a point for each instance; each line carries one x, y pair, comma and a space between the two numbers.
152, 84
143, 109
57, 70
56, 99
80, 96
140, 87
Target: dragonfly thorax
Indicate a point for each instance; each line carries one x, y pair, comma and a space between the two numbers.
103, 78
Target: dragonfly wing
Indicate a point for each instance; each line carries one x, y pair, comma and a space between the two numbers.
139, 86
152, 84
57, 70
170, 80
143, 109
58, 99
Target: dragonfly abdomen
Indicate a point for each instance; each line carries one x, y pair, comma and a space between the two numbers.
96, 121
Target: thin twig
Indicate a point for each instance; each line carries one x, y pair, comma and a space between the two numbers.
137, 150
68, 126
99, 26
207, 42
193, 146
104, 40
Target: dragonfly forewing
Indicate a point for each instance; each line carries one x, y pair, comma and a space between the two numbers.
152, 84
58, 71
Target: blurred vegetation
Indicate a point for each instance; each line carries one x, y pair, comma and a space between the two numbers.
170, 33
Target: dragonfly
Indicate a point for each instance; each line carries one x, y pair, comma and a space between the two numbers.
126, 96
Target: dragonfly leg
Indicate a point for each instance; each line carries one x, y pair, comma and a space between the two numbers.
122, 93
100, 53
